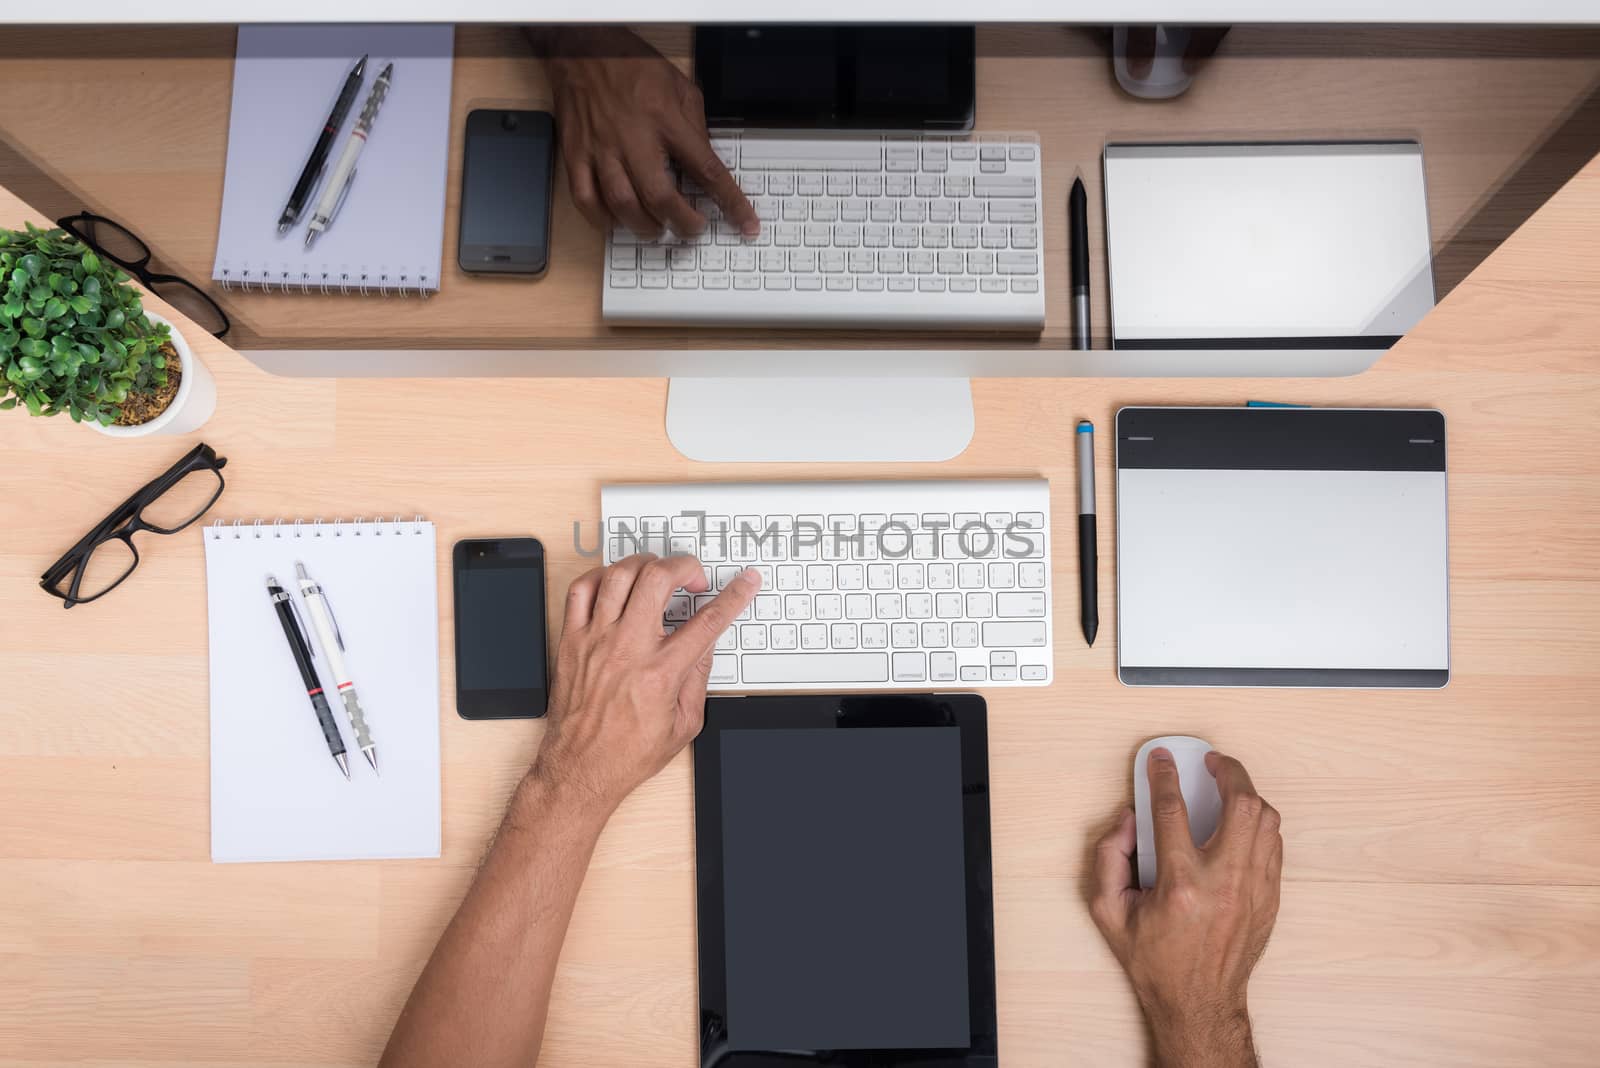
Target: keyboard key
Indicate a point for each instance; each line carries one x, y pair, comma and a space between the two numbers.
941, 576
829, 606
819, 577
724, 668
813, 636
678, 608
791, 577
784, 636
841, 668
1003, 576
993, 285
919, 605
964, 635
797, 606
948, 605
910, 667
1020, 604
1032, 520
1003, 674
857, 606
809, 282
1024, 285
880, 576
935, 635
780, 283
969, 576
769, 606
1009, 186
728, 640
753, 636
979, 606
1002, 658
974, 673
889, 606
843, 635
903, 635
1023, 152
1030, 575
1034, 672
909, 576
795, 154
1018, 635
875, 636
1012, 211
902, 284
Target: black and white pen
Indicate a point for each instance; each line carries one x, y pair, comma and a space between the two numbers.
300, 649
326, 625
1088, 550
1078, 228
344, 171
311, 173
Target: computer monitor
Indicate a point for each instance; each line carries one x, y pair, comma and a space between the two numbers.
1503, 117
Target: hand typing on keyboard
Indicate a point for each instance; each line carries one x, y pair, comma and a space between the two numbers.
624, 113
627, 696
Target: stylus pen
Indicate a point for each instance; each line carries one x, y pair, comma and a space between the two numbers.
326, 626
1088, 551
312, 171
300, 649
1078, 224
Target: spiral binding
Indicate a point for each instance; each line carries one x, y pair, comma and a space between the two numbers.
240, 529
328, 283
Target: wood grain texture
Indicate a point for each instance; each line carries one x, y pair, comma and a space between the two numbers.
1442, 896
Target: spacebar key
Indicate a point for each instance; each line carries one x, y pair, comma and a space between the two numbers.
815, 667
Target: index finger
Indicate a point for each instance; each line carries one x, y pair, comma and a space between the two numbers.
692, 149
1169, 816
695, 638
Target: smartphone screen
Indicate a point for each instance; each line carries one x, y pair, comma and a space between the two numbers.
505, 192
500, 628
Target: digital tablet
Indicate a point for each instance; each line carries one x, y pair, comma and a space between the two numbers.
846, 905
1282, 547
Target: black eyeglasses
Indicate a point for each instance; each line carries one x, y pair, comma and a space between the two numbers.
98, 563
125, 249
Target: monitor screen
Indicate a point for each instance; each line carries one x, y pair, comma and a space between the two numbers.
845, 911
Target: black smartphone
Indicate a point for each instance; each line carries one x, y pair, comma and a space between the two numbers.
500, 630
507, 172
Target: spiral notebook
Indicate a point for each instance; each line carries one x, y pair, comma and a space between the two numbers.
388, 235
276, 793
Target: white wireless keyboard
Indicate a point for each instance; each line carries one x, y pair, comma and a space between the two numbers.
864, 231
865, 585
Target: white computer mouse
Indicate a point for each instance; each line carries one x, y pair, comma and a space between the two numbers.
1199, 794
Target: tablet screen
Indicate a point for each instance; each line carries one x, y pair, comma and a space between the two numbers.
845, 912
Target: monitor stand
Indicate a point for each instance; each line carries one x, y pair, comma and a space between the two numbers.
846, 419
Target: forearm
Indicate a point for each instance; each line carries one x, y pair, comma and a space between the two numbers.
483, 995
1217, 1037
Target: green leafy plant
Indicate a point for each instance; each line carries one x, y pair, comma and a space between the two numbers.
73, 334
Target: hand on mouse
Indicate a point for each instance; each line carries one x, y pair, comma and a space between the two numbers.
627, 696
623, 112
1190, 942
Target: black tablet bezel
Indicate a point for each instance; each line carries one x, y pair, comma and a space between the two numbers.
961, 88
964, 711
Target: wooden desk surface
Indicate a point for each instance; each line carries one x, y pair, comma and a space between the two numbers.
149, 124
1442, 880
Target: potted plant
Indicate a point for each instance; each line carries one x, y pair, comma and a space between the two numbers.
75, 338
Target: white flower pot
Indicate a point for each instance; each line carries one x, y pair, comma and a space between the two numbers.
196, 399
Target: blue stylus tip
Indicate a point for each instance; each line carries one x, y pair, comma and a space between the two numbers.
1085, 427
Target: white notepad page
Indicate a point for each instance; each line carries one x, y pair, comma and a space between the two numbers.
276, 793
391, 226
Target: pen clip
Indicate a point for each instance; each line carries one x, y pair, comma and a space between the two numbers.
337, 204
301, 623
338, 636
